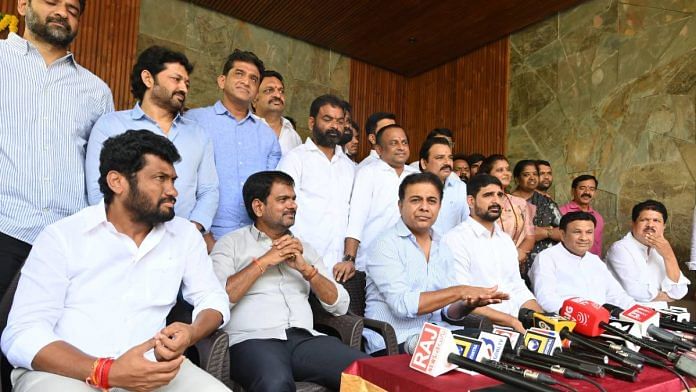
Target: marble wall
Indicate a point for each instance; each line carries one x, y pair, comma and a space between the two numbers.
609, 88
207, 37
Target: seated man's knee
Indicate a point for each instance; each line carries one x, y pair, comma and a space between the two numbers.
276, 382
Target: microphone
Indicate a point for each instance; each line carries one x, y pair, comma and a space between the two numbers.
648, 321
529, 317
620, 372
557, 369
436, 353
592, 320
524, 373
591, 369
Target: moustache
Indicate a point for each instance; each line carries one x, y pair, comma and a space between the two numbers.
448, 167
276, 100
585, 195
60, 20
167, 200
649, 230
494, 207
290, 212
180, 93
333, 133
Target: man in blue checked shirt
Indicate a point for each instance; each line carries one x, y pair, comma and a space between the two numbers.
160, 83
243, 143
48, 105
409, 270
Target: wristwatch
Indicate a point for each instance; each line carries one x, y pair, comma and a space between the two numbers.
348, 258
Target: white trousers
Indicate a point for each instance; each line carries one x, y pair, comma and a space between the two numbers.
189, 378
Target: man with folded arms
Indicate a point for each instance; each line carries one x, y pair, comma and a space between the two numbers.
644, 262
268, 274
409, 270
569, 269
96, 289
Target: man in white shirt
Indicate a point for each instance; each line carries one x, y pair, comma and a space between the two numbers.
268, 274
99, 284
643, 261
484, 255
323, 177
444, 133
568, 269
374, 202
269, 104
374, 123
436, 157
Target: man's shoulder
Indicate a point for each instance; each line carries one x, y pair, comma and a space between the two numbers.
93, 79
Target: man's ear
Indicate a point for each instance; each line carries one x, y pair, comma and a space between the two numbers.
117, 182
379, 150
257, 206
310, 123
221, 81
470, 202
22, 7
147, 78
372, 139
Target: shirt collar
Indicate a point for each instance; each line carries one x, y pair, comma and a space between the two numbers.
22, 46
403, 231
481, 231
571, 256
137, 113
573, 206
221, 109
259, 235
637, 243
311, 146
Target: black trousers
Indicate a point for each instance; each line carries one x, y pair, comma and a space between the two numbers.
13, 252
273, 365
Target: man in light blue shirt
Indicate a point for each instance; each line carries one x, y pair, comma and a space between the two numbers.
48, 105
159, 82
409, 271
243, 143
436, 157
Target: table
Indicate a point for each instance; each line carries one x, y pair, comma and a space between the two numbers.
393, 374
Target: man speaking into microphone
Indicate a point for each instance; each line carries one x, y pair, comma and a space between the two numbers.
568, 269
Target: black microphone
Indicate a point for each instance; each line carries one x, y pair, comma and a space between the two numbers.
524, 373
620, 372
507, 378
557, 369
593, 370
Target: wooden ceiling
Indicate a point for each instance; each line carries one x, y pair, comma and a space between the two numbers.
404, 36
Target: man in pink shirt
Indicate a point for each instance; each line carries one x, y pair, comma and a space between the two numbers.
583, 189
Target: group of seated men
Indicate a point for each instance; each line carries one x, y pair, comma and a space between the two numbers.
228, 210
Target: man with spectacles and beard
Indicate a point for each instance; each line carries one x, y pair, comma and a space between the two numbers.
48, 105
644, 262
160, 83
436, 158
323, 177
96, 289
484, 255
268, 274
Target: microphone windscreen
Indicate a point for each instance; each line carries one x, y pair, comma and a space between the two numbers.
586, 314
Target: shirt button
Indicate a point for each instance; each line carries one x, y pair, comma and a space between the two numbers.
46, 209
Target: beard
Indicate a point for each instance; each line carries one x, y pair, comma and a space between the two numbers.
328, 138
56, 36
543, 187
488, 215
166, 99
143, 209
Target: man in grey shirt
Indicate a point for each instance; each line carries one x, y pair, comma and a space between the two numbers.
268, 274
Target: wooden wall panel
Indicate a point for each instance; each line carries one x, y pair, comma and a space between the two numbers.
373, 89
106, 42
468, 95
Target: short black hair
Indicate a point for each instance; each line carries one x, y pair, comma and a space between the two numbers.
154, 60
428, 143
473, 187
258, 186
583, 177
576, 216
519, 167
347, 107
652, 205
541, 162
421, 178
271, 74
489, 162
440, 132
244, 57
292, 121
374, 118
474, 157
460, 156
125, 153
326, 99
355, 126
381, 131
